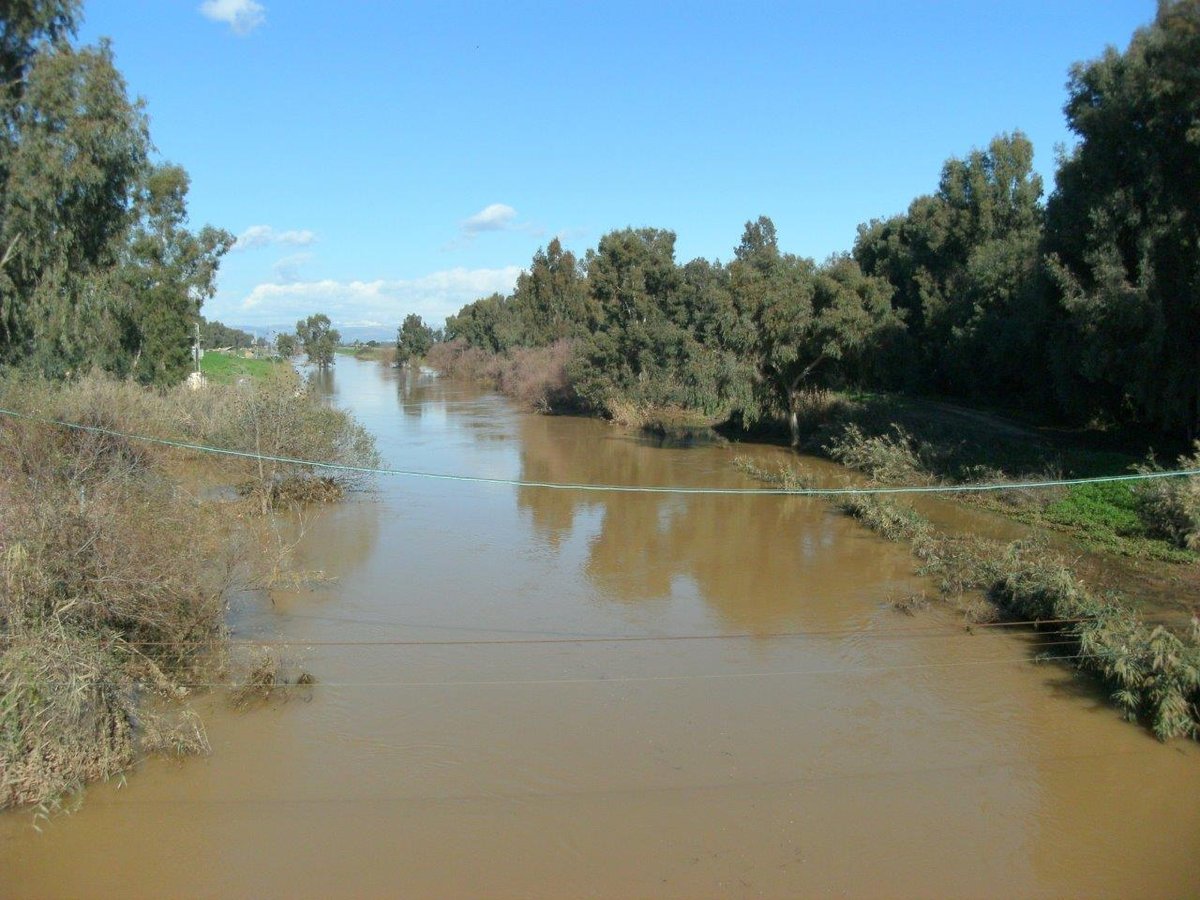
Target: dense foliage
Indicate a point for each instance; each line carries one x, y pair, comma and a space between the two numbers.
1087, 306
318, 339
217, 335
413, 339
97, 266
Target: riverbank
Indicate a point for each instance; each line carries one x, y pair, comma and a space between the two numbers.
118, 558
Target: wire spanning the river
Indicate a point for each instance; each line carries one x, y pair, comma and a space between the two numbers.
605, 488
932, 631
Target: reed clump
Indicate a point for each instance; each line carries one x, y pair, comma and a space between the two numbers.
890, 458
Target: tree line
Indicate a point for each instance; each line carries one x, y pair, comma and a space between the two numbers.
1085, 304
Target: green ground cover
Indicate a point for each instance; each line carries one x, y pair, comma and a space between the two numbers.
225, 368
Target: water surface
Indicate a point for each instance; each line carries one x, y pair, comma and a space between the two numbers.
557, 693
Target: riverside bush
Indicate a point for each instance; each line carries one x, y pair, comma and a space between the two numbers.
114, 576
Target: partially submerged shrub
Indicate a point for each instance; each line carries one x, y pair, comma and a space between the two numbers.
789, 478
113, 578
894, 521
265, 679
536, 377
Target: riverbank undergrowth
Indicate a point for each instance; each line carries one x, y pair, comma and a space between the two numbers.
115, 569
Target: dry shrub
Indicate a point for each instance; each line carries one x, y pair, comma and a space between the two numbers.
625, 412
536, 377
457, 359
112, 578
277, 417
819, 406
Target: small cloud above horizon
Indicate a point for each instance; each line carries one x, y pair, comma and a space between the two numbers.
493, 217
265, 236
243, 16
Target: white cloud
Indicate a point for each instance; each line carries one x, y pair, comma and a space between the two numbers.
496, 217
243, 16
493, 217
347, 303
264, 236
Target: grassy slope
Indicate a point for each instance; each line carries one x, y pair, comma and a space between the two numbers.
226, 368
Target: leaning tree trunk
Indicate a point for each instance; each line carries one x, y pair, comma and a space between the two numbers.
793, 415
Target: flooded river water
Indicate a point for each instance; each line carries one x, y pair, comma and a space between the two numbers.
526, 692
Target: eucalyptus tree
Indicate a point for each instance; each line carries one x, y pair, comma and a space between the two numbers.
318, 339
964, 266
97, 267
802, 325
1124, 228
413, 339
166, 275
76, 156
551, 300
636, 349
285, 344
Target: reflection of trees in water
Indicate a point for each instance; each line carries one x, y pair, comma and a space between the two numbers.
414, 390
758, 562
321, 381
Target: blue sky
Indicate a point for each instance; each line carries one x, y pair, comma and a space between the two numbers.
379, 158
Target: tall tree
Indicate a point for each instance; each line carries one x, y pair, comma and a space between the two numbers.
636, 349
551, 298
803, 325
318, 339
76, 162
413, 339
167, 274
1124, 228
964, 264
96, 266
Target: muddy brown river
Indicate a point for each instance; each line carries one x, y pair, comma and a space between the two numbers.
535, 693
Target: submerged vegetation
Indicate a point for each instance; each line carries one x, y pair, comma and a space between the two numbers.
114, 572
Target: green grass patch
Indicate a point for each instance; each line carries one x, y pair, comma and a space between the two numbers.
1098, 510
1103, 517
226, 368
